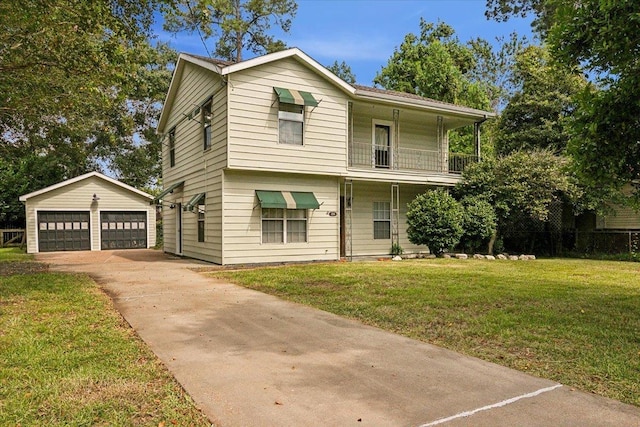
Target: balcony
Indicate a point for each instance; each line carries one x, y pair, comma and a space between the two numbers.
365, 155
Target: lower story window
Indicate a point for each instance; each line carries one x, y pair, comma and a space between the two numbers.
284, 225
381, 220
201, 212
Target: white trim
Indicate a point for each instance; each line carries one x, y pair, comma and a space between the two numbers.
297, 54
431, 105
25, 197
37, 228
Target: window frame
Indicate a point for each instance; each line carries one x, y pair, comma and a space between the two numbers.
206, 116
386, 211
172, 147
382, 123
202, 210
286, 116
286, 219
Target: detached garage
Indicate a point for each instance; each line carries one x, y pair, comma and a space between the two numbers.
89, 212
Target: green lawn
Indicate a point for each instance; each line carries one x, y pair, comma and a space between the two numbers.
572, 321
14, 254
68, 358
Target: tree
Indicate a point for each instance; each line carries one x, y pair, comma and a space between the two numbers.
238, 25
343, 71
64, 59
435, 65
479, 223
80, 87
604, 39
601, 38
527, 182
435, 219
538, 113
543, 10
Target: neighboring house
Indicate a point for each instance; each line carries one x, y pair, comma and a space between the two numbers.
89, 212
624, 217
276, 159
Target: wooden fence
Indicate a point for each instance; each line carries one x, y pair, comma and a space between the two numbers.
12, 237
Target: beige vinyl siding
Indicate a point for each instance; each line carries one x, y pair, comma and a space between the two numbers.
625, 218
78, 197
253, 121
243, 219
364, 195
200, 169
416, 131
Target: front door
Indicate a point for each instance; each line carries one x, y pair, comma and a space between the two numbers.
382, 146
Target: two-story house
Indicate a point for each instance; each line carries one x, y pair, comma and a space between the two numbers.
276, 159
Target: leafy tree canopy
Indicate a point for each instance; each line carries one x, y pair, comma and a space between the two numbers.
524, 181
604, 38
434, 64
80, 90
538, 111
236, 25
542, 10
343, 71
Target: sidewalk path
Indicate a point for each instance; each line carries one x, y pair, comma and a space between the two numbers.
250, 359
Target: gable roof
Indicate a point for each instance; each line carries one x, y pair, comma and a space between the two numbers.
25, 197
224, 68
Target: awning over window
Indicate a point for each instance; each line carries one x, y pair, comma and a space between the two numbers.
194, 201
298, 97
167, 191
287, 199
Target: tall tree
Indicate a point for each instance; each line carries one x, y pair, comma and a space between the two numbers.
74, 87
603, 37
543, 12
434, 64
342, 70
538, 112
237, 25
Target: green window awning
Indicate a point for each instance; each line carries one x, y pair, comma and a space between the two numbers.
298, 97
167, 191
193, 202
287, 199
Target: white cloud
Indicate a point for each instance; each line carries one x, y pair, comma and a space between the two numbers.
346, 48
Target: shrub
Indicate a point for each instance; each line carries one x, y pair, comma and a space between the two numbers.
435, 220
479, 222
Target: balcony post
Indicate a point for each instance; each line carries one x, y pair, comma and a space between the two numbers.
396, 139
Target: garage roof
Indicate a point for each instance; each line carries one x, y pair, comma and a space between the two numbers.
25, 197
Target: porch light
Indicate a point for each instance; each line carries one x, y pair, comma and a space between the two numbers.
95, 198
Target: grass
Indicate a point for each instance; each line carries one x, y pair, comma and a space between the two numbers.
67, 358
572, 321
14, 254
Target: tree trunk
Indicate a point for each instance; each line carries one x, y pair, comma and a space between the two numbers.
492, 241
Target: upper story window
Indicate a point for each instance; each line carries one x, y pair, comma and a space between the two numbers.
291, 123
207, 117
172, 147
291, 114
382, 145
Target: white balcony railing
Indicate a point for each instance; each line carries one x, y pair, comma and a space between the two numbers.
362, 154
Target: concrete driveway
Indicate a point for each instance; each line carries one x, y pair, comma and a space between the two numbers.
250, 359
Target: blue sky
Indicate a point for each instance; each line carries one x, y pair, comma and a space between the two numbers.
364, 33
